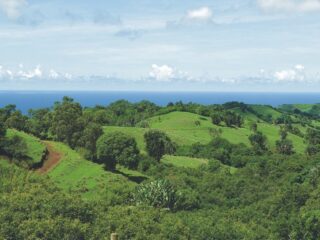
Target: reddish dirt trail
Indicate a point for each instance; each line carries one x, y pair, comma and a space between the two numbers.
52, 159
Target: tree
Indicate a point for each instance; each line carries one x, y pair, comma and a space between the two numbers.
88, 139
254, 127
283, 133
3, 130
258, 142
17, 121
284, 146
313, 136
65, 121
216, 118
312, 149
158, 144
15, 148
119, 148
232, 119
39, 122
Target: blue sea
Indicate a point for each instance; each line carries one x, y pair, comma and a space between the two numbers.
25, 100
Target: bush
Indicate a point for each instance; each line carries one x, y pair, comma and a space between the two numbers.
284, 147
145, 163
15, 148
158, 194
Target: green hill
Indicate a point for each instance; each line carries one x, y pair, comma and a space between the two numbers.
84, 177
35, 148
266, 111
181, 127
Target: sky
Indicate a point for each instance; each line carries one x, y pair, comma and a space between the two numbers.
164, 45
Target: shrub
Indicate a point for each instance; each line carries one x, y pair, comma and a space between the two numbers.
158, 194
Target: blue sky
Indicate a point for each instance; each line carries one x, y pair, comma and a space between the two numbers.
165, 45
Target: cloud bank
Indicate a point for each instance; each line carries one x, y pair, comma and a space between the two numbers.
203, 13
290, 5
12, 8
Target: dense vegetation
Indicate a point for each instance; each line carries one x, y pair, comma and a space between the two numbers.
183, 171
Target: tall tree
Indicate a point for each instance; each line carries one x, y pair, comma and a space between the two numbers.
118, 148
66, 123
158, 144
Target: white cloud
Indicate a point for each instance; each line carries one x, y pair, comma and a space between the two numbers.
12, 7
53, 74
67, 76
203, 13
164, 72
35, 73
290, 5
292, 75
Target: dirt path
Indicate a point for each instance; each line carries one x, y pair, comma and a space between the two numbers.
52, 159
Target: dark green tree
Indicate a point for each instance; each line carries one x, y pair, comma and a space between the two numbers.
258, 142
17, 121
3, 130
284, 147
39, 122
254, 127
158, 144
216, 118
119, 148
15, 148
88, 139
66, 123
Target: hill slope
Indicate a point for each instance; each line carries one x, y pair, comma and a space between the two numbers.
35, 148
182, 128
84, 177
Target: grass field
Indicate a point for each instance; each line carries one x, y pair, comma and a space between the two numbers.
266, 110
35, 148
135, 132
188, 162
87, 178
180, 161
181, 128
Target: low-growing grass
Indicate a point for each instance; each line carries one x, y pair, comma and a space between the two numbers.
89, 179
180, 161
188, 162
265, 111
181, 127
272, 133
134, 132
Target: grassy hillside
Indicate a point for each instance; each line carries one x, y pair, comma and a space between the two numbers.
188, 162
135, 132
181, 127
180, 161
266, 111
35, 148
88, 179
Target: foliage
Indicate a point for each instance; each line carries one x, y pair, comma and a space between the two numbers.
159, 194
258, 142
158, 144
118, 148
15, 148
284, 147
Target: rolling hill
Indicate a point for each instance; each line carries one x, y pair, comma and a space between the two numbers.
182, 128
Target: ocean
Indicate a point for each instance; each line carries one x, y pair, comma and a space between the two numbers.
25, 100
